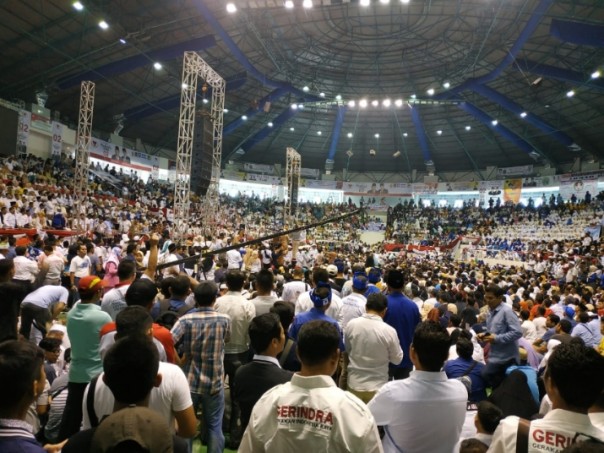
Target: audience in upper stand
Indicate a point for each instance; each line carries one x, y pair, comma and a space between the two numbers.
500, 298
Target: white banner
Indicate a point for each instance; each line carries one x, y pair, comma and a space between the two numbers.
373, 188
309, 172
155, 172
57, 139
425, 188
515, 171
578, 185
273, 180
23, 128
109, 152
317, 184
258, 168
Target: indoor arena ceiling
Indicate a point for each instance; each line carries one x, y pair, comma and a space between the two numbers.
530, 65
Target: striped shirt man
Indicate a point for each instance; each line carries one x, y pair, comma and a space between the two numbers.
201, 336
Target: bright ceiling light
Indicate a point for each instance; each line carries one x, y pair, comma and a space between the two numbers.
351, 103
405, 134
386, 102
384, 2
322, 94
363, 103
289, 4
104, 25
122, 41
365, 2
157, 65
375, 102
319, 133
305, 89
596, 74
225, 110
205, 101
494, 122
413, 96
231, 8
523, 115
307, 3
339, 97
439, 132
446, 85
244, 117
405, 1
430, 91
398, 102
570, 94
294, 106
291, 129
300, 106
270, 124
184, 86
468, 128
377, 135
78, 6
349, 135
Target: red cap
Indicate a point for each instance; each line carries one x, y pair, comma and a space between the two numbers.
90, 284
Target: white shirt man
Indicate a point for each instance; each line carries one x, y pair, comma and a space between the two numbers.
241, 311
353, 305
234, 259
25, 269
80, 266
371, 345
293, 289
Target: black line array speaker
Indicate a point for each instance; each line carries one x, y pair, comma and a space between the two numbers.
201, 159
9, 122
294, 196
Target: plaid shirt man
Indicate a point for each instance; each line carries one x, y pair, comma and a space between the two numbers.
202, 334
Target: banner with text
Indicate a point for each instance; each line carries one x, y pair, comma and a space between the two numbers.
269, 179
23, 129
317, 184
515, 171
421, 188
458, 186
57, 139
258, 168
109, 152
387, 189
309, 172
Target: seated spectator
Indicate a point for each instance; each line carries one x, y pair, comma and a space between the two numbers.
464, 365
567, 422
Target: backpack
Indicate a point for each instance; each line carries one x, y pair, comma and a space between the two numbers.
168, 316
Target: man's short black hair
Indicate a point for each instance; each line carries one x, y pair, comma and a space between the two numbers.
180, 286
263, 329
555, 319
131, 366
20, 250
565, 325
265, 280
464, 348
431, 343
50, 344
205, 293
317, 342
285, 311
377, 302
235, 280
126, 269
320, 275
6, 266
20, 365
134, 320
489, 416
494, 289
472, 445
141, 292
573, 363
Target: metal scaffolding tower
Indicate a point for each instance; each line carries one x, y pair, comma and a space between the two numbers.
83, 139
195, 67
292, 177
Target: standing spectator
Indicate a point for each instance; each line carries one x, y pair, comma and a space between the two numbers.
317, 415
237, 349
407, 408
79, 268
293, 289
202, 335
353, 305
568, 422
22, 380
51, 267
304, 302
264, 297
370, 344
114, 300
404, 316
26, 270
503, 332
233, 256
253, 379
84, 322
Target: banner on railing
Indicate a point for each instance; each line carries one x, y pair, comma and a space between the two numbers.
512, 189
23, 129
309, 172
578, 185
515, 171
258, 168
56, 144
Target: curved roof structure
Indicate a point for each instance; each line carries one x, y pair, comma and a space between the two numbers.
501, 72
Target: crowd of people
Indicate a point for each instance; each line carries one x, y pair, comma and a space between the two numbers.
122, 338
